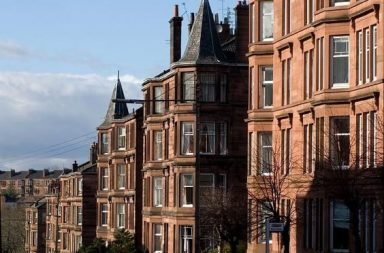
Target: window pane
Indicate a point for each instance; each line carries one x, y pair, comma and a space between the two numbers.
158, 95
207, 138
187, 141
267, 20
207, 85
188, 86
340, 225
340, 60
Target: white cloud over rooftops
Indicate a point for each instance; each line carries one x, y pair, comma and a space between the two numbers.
41, 109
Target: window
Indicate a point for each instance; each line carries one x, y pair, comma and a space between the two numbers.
265, 151
251, 81
121, 176
104, 143
286, 16
360, 57
187, 138
267, 86
339, 142
158, 145
207, 87
320, 63
79, 215
158, 99
266, 21
340, 61
223, 138
308, 223
207, 138
223, 88
104, 179
366, 139
120, 215
188, 86
80, 186
309, 11
368, 224
308, 148
340, 226
104, 214
340, 2
206, 184
264, 214
285, 150
308, 63
374, 53
157, 191
286, 87
367, 55
121, 131
186, 239
34, 238
157, 238
252, 16
65, 240
319, 142
187, 190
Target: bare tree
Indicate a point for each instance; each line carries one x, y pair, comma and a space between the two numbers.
272, 189
12, 227
223, 217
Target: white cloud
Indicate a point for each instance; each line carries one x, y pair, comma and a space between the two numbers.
40, 109
13, 49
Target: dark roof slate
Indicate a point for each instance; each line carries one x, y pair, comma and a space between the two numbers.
203, 44
116, 110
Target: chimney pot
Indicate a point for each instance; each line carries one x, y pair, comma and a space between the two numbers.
74, 166
217, 18
191, 21
176, 11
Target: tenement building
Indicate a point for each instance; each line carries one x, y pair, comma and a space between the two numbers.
119, 165
315, 125
77, 202
35, 227
195, 135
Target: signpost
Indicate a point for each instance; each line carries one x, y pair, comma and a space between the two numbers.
272, 227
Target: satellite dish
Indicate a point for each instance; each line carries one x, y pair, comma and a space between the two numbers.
219, 28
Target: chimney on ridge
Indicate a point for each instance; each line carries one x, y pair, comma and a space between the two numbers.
175, 41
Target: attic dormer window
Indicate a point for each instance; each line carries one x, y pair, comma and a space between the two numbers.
188, 87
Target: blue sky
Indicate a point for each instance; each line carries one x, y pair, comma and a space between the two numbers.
58, 64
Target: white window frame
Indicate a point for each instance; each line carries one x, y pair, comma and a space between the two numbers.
265, 84
79, 215
342, 38
185, 187
158, 233
187, 137
104, 179
121, 176
367, 49
342, 3
157, 191
264, 24
121, 138
360, 57
186, 236
120, 215
158, 145
265, 148
374, 53
158, 97
188, 87
104, 213
104, 143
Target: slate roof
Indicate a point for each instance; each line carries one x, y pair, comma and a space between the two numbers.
203, 44
116, 110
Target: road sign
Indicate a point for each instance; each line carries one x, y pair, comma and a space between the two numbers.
276, 227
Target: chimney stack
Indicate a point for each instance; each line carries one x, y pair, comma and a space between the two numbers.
93, 153
191, 21
175, 41
74, 166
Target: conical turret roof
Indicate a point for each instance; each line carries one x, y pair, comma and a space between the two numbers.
116, 110
203, 45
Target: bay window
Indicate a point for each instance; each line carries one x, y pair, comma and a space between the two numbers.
187, 190
340, 61
188, 86
187, 138
157, 191
339, 142
267, 86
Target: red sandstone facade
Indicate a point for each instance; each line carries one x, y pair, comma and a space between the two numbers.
316, 75
194, 131
119, 166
